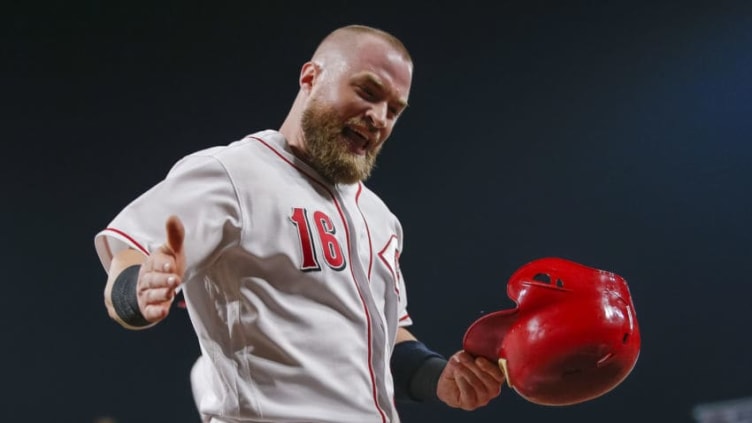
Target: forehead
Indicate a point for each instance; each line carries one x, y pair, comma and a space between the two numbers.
375, 58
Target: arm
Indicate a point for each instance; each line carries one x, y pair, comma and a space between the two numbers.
146, 292
463, 382
404, 335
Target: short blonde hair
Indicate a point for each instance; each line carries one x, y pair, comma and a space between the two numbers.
346, 32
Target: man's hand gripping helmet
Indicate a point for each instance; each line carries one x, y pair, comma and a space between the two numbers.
572, 337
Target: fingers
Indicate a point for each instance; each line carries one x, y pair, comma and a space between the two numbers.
156, 291
172, 250
491, 369
169, 258
175, 234
483, 368
484, 377
468, 397
478, 380
161, 261
162, 273
155, 279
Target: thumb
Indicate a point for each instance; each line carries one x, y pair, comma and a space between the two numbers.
175, 234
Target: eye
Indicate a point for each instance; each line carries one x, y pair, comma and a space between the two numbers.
367, 93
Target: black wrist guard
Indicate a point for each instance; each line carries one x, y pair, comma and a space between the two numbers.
416, 371
125, 300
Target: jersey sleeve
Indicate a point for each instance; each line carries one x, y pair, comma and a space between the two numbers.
199, 191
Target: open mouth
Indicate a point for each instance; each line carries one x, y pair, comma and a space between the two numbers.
357, 142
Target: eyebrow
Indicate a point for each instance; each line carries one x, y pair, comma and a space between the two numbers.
370, 78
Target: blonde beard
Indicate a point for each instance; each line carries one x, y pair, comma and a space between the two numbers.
327, 152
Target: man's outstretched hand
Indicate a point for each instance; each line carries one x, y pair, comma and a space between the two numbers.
162, 273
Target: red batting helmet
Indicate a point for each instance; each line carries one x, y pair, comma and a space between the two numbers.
572, 337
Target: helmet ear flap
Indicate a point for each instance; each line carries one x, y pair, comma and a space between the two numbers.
572, 337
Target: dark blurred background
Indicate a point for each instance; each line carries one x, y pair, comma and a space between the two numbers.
613, 133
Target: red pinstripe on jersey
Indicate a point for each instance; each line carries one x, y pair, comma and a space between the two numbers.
125, 235
360, 294
368, 231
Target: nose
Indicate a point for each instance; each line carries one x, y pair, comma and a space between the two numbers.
377, 115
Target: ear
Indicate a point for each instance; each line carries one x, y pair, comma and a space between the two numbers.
308, 75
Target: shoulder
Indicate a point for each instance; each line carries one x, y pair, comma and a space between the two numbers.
364, 193
238, 152
226, 151
369, 200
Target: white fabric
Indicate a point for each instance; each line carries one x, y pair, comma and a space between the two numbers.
279, 344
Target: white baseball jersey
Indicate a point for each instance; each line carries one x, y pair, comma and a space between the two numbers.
292, 284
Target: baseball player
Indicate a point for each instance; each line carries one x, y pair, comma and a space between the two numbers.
288, 263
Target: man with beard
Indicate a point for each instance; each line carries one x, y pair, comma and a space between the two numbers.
288, 264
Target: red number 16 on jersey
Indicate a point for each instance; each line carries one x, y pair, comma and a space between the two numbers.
328, 242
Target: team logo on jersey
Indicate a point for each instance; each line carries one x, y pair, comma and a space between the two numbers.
317, 234
389, 255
